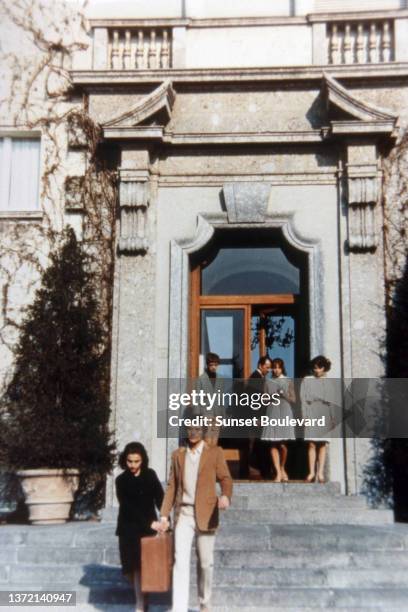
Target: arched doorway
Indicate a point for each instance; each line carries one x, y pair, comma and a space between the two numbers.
249, 298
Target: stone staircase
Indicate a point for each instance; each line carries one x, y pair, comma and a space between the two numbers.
291, 547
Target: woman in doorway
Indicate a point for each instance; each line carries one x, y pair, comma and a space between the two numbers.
316, 395
139, 493
279, 435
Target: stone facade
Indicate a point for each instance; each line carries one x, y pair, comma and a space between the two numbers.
262, 118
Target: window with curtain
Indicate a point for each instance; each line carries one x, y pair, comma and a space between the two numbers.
19, 173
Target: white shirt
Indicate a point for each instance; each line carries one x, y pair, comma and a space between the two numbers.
191, 465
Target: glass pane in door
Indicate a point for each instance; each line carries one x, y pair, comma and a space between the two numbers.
278, 340
222, 332
254, 270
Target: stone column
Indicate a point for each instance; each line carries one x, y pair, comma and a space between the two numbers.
362, 283
133, 417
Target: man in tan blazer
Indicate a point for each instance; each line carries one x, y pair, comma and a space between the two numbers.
191, 491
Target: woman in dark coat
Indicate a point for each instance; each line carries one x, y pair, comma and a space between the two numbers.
139, 493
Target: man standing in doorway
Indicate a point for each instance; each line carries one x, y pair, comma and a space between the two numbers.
210, 383
256, 385
191, 491
263, 368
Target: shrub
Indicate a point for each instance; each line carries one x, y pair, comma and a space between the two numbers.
55, 409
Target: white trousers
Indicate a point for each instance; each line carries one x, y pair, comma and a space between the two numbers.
185, 531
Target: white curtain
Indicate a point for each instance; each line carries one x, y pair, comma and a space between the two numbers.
22, 159
24, 175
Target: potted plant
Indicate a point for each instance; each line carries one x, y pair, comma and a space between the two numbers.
54, 418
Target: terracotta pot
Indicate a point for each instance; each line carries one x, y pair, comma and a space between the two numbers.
49, 494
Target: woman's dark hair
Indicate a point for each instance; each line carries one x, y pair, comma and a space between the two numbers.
131, 449
280, 363
321, 362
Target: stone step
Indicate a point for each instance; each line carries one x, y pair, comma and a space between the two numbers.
318, 559
325, 578
272, 608
287, 577
396, 599
273, 558
314, 515
100, 607
259, 489
298, 501
241, 536
104, 576
351, 538
250, 597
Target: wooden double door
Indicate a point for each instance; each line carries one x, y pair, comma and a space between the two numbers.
241, 329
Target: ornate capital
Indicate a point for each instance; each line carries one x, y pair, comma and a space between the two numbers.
133, 202
363, 194
246, 202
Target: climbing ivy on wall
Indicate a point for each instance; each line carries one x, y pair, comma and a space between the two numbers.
39, 96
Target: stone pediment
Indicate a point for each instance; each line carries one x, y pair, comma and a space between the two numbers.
348, 114
147, 118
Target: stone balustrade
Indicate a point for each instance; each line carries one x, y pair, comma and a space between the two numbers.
360, 42
139, 49
377, 37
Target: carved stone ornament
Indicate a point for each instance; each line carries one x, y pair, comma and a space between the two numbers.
74, 193
362, 200
77, 138
133, 217
246, 202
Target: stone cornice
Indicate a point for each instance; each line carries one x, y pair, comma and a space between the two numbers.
154, 132
244, 137
227, 138
341, 128
21, 215
358, 15
109, 78
361, 118
219, 22
230, 22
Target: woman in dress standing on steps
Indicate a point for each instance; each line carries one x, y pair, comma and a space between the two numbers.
317, 395
279, 435
139, 493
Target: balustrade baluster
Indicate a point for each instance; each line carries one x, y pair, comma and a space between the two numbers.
116, 63
335, 52
140, 61
386, 42
127, 51
152, 55
348, 45
165, 51
140, 223
372, 44
361, 49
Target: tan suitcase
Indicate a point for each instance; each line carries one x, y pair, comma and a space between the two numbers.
157, 563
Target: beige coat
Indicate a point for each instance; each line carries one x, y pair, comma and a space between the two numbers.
212, 469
